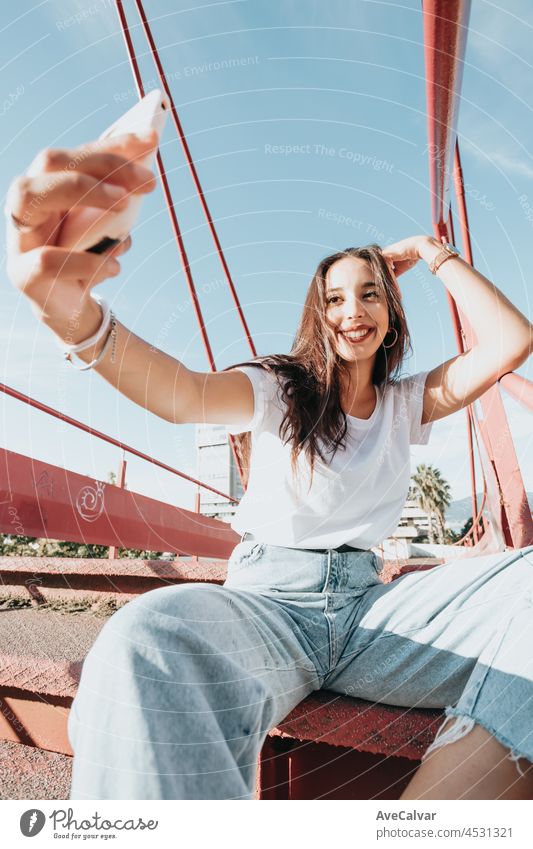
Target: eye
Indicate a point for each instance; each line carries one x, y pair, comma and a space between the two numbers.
372, 294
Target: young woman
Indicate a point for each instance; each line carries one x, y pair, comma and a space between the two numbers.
183, 684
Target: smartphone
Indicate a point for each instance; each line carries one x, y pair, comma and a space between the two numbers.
96, 230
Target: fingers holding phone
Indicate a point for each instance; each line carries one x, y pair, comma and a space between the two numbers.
70, 214
59, 181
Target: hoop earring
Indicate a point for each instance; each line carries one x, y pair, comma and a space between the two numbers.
394, 343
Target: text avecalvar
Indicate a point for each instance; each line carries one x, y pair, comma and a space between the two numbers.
405, 815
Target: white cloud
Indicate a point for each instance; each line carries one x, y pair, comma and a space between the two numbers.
509, 162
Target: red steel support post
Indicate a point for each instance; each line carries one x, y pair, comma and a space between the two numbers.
170, 203
121, 482
445, 29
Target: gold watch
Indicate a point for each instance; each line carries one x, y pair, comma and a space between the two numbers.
446, 252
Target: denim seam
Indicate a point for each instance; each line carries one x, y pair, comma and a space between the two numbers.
328, 572
281, 666
329, 618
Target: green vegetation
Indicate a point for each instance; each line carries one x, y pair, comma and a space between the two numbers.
19, 546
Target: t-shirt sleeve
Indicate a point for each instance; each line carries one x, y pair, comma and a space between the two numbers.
413, 393
262, 385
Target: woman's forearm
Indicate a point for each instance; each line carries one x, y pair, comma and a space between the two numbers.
145, 375
491, 315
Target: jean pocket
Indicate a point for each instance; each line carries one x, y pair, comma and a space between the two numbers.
245, 553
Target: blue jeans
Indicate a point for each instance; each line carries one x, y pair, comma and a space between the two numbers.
182, 684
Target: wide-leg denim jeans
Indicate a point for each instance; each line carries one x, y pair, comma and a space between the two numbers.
182, 684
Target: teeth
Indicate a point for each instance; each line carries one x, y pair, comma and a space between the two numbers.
357, 334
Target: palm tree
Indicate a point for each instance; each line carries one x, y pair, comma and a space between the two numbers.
432, 494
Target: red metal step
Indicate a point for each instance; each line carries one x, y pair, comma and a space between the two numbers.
49, 578
327, 717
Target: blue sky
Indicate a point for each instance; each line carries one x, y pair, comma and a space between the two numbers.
307, 123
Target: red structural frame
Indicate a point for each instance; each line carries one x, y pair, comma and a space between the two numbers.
39, 499
445, 31
170, 204
44, 408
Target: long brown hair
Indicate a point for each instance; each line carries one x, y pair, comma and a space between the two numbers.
310, 375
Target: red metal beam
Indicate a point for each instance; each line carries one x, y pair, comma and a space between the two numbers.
166, 191
38, 499
516, 521
121, 482
44, 408
518, 388
194, 173
445, 30
470, 425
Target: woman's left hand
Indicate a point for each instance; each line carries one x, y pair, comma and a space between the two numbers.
403, 255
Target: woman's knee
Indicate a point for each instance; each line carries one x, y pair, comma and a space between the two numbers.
150, 631
160, 670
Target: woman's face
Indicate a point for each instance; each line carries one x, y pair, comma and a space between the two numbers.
356, 311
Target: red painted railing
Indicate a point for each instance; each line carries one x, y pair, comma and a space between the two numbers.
44, 408
38, 499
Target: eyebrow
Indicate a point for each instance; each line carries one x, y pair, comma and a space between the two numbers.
364, 286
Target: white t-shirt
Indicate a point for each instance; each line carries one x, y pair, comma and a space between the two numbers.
357, 498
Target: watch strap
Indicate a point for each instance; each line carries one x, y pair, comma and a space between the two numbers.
447, 252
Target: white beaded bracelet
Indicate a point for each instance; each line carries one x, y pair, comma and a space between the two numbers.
111, 337
92, 340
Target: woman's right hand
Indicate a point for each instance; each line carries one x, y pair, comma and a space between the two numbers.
58, 281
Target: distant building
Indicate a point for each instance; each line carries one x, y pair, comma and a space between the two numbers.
414, 522
216, 466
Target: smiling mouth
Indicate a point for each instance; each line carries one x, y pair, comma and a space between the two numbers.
358, 339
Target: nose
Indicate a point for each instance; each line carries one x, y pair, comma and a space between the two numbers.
354, 307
